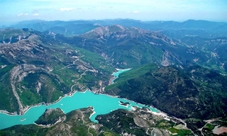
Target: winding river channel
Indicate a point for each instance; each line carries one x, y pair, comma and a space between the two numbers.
101, 103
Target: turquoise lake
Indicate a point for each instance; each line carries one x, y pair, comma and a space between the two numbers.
101, 103
116, 74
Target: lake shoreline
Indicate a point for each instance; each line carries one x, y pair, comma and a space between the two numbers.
70, 94
100, 102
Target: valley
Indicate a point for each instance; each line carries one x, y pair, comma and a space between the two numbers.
179, 68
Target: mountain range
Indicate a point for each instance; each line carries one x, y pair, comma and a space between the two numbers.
178, 67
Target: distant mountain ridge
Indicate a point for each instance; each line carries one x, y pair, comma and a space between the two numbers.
106, 40
171, 28
67, 28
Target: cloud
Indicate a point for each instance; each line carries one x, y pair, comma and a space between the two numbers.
135, 9
22, 14
66, 9
36, 14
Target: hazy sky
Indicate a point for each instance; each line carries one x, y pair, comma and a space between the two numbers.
178, 10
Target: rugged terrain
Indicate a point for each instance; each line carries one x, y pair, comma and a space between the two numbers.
35, 69
194, 93
178, 67
137, 122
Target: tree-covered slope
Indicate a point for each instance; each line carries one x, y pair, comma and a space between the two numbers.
194, 92
131, 47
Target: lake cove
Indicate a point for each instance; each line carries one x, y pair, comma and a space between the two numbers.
101, 103
119, 71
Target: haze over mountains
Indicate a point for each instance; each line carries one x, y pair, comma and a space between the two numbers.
178, 67
188, 27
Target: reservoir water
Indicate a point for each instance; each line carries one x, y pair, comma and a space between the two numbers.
119, 71
101, 103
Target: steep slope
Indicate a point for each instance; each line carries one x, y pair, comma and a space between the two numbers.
214, 50
75, 123
37, 68
125, 47
70, 63
119, 122
194, 92
131, 47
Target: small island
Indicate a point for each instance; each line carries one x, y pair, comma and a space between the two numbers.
124, 103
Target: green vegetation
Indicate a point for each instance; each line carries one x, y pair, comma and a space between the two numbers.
94, 59
108, 134
120, 121
180, 132
48, 65
136, 122
54, 69
29, 98
50, 116
7, 100
24, 130
209, 127
169, 88
77, 122
131, 74
42, 83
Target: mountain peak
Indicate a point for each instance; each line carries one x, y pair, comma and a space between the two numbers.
115, 31
103, 30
